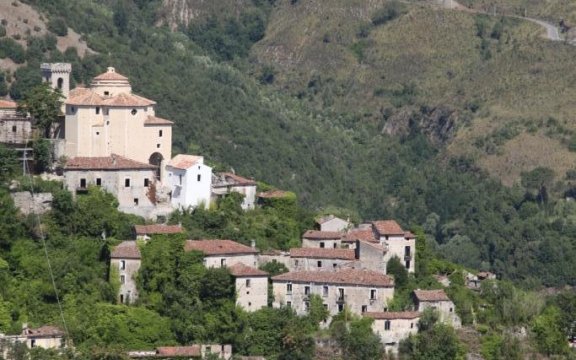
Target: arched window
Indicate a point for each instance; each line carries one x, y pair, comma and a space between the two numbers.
60, 83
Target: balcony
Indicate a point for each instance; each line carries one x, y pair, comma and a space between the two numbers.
341, 300
408, 257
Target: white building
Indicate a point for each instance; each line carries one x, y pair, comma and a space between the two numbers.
225, 183
322, 239
320, 259
393, 327
332, 223
125, 262
438, 300
251, 287
128, 180
145, 232
358, 290
399, 243
221, 253
46, 337
189, 180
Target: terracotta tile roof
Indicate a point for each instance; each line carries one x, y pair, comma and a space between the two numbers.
431, 295
272, 194
154, 120
241, 270
227, 179
183, 161
366, 235
44, 331
7, 104
157, 229
111, 74
193, 351
392, 315
319, 253
83, 96
128, 100
126, 250
387, 227
113, 162
409, 235
342, 276
218, 247
322, 235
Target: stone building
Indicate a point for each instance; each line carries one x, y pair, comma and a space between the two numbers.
145, 232
107, 118
251, 287
399, 243
225, 183
58, 75
438, 300
46, 337
393, 327
133, 183
320, 259
198, 351
14, 127
358, 290
332, 223
125, 262
190, 181
322, 239
221, 253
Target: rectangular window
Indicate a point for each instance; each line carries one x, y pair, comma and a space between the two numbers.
106, 93
180, 179
289, 288
407, 264
98, 182
222, 262
325, 291
364, 308
289, 304
159, 133
127, 182
122, 264
121, 299
97, 110
407, 251
306, 305
322, 245
296, 262
122, 279
136, 201
340, 307
340, 294
334, 265
335, 245
13, 128
146, 182
387, 325
373, 294
82, 183
306, 290
199, 177
319, 263
248, 283
158, 146
105, 111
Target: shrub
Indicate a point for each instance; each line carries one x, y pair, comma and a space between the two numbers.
389, 11
11, 49
58, 26
2, 31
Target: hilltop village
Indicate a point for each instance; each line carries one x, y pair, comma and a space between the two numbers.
111, 138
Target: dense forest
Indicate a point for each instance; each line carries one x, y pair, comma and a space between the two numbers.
224, 107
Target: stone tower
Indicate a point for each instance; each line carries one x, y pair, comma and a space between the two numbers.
58, 75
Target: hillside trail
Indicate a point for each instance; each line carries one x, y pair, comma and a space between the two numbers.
552, 31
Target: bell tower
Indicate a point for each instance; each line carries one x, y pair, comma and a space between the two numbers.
58, 75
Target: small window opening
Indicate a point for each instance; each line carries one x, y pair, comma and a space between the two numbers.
126, 182
199, 177
60, 83
248, 283
306, 290
289, 288
146, 182
122, 264
319, 264
387, 325
98, 182
322, 245
82, 183
97, 110
136, 201
121, 299
134, 112
373, 294
223, 262
159, 133
364, 308
122, 279
289, 304
157, 146
106, 93
325, 291
14, 128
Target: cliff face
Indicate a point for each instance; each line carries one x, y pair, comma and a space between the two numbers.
175, 13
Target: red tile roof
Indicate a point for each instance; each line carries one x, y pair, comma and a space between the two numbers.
431, 295
387, 227
228, 179
128, 100
88, 97
273, 194
241, 270
193, 350
218, 247
154, 120
126, 250
83, 96
111, 74
409, 235
157, 229
44, 331
326, 253
392, 315
112, 162
322, 235
342, 276
7, 104
183, 161
366, 235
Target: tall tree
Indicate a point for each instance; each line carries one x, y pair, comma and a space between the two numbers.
43, 104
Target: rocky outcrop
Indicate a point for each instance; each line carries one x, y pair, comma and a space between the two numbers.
439, 123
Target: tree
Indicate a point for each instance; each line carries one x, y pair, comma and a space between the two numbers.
395, 268
8, 163
355, 337
437, 343
43, 104
42, 155
548, 335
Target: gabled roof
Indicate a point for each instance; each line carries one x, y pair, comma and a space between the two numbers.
8, 104
83, 96
154, 120
126, 250
112, 162
218, 247
230, 179
241, 270
409, 235
192, 351
157, 229
110, 74
388, 227
44, 331
342, 277
322, 235
393, 315
320, 253
431, 295
366, 235
324, 219
184, 161
124, 99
